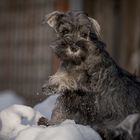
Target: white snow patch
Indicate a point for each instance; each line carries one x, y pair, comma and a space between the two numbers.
67, 130
8, 98
19, 122
17, 118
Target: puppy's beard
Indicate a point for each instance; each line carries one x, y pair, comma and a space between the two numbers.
74, 53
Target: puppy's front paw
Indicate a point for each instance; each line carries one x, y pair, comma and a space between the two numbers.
43, 121
61, 82
48, 89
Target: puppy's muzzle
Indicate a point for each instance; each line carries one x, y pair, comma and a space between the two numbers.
72, 44
74, 48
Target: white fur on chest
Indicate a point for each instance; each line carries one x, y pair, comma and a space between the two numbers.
63, 81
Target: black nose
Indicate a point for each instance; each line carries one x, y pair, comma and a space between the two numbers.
74, 48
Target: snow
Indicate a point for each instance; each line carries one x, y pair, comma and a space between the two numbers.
16, 118
67, 130
19, 122
47, 106
8, 98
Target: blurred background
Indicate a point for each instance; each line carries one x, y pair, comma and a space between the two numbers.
26, 60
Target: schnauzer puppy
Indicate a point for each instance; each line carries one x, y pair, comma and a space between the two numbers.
93, 89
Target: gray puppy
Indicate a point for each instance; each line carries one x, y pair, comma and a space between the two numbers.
93, 89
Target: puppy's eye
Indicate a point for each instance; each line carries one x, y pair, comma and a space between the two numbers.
65, 31
84, 35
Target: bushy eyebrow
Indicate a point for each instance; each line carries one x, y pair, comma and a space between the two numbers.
65, 26
79, 25
84, 28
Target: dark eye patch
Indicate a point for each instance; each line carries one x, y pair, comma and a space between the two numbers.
84, 34
93, 36
84, 31
65, 31
64, 28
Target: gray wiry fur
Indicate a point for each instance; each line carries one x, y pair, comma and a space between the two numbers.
128, 129
95, 90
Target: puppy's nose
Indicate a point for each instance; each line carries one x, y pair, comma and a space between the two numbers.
74, 48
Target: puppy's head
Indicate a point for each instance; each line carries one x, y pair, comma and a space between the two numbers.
75, 30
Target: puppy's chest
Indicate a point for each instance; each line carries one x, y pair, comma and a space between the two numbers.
77, 101
68, 80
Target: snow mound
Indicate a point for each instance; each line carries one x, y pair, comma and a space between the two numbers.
14, 127
8, 98
67, 130
16, 118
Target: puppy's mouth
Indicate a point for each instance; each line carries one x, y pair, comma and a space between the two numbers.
74, 48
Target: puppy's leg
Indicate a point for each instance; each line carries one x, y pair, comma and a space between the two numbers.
43, 121
58, 115
57, 118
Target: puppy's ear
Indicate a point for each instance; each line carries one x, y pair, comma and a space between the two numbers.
95, 26
129, 122
51, 18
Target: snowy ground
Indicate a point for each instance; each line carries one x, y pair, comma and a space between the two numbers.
19, 122
8, 98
